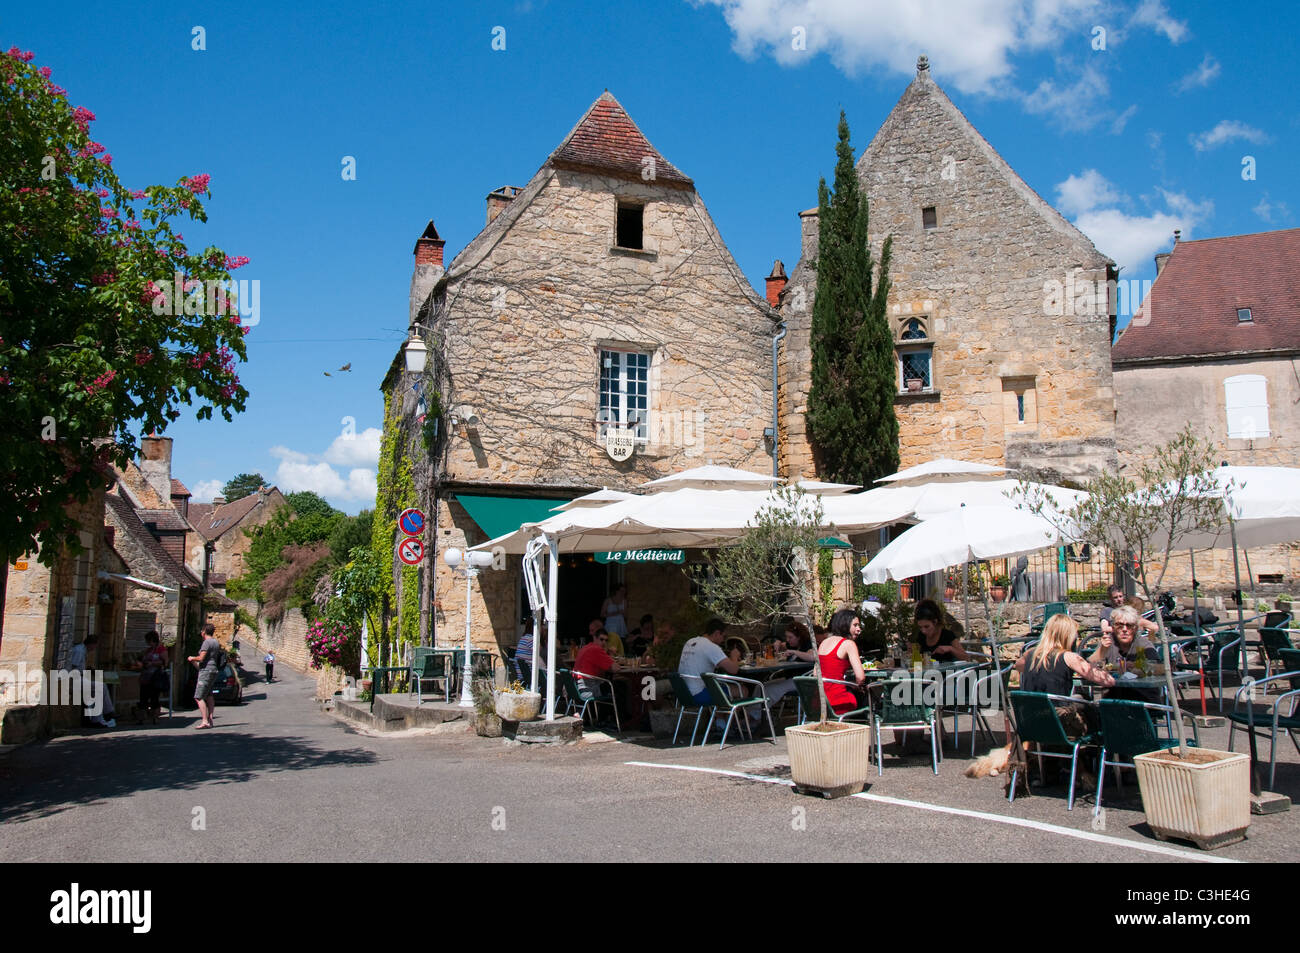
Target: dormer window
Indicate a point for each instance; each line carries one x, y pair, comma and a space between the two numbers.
1244, 317
629, 228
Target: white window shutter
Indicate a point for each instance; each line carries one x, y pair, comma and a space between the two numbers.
1246, 397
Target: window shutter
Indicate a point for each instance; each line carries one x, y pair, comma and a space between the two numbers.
1246, 397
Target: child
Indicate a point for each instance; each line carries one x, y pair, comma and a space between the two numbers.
270, 667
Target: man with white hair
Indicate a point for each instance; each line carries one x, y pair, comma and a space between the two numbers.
1121, 647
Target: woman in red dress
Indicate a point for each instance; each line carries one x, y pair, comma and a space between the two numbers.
839, 653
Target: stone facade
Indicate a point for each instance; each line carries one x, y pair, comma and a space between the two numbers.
223, 525
518, 328
1009, 298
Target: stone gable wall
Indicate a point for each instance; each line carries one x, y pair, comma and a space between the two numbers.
980, 278
522, 331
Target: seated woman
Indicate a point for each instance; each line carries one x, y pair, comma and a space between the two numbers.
940, 642
839, 653
798, 644
1051, 666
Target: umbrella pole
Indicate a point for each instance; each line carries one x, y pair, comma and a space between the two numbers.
1196, 622
1241, 632
965, 595
552, 628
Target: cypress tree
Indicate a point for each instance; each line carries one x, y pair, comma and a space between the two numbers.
851, 420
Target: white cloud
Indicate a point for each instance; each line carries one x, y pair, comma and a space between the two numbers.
1077, 105
298, 471
1227, 130
1120, 121
970, 42
1203, 75
1132, 240
1152, 13
1084, 192
1272, 212
206, 490
355, 449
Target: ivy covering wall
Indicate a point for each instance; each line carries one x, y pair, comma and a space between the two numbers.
396, 492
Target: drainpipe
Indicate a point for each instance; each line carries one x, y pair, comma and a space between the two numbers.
776, 345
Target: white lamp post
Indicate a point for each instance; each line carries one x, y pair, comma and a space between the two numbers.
468, 563
416, 354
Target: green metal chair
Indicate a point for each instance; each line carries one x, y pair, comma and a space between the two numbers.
1038, 615
1219, 652
429, 666
686, 703
810, 700
992, 686
1037, 721
1127, 730
1273, 641
718, 686
899, 712
1269, 722
583, 698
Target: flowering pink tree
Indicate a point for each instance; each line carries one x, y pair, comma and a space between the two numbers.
97, 342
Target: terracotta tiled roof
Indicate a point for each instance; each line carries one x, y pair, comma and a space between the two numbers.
164, 519
199, 513
215, 522
607, 140
1191, 310
178, 488
173, 573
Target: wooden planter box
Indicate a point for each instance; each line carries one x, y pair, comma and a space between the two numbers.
1206, 802
832, 763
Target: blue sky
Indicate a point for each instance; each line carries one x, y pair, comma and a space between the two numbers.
1130, 132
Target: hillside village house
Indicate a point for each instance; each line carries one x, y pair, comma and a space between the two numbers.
221, 538
992, 365
1215, 344
598, 302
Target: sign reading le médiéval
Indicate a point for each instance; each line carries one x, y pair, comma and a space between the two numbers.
643, 556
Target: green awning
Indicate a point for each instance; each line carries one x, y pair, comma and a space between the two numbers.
831, 542
498, 515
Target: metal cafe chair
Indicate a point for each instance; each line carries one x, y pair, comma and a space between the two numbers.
810, 699
718, 686
1127, 730
1037, 721
897, 716
1268, 723
686, 704
583, 698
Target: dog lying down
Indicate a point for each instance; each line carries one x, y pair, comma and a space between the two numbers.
991, 765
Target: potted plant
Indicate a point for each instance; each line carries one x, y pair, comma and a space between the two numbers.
905, 590
772, 572
1198, 794
914, 385
998, 587
516, 703
1283, 603
950, 582
487, 723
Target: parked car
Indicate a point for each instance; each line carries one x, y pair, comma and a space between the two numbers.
228, 689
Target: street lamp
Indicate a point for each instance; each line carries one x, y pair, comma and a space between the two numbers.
468, 563
416, 354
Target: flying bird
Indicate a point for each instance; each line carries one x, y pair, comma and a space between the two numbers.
346, 367
327, 374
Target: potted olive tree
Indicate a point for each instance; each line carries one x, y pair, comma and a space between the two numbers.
1198, 794
772, 572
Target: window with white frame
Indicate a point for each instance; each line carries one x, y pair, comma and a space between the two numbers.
624, 392
915, 354
1246, 397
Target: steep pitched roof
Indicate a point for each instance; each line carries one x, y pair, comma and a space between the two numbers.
166, 520
1191, 309
922, 88
607, 140
218, 520
178, 488
167, 570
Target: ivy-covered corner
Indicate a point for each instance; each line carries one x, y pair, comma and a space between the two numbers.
396, 492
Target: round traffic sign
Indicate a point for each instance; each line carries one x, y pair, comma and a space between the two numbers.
410, 551
411, 522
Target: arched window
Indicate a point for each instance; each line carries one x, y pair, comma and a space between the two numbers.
915, 356
913, 330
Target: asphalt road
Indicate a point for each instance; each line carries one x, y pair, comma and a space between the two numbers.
279, 780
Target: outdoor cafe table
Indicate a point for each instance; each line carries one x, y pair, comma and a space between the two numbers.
767, 673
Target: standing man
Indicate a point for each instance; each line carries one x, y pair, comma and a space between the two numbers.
270, 667
207, 662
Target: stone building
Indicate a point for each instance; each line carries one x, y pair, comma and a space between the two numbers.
998, 306
48, 610
598, 303
1215, 345
220, 526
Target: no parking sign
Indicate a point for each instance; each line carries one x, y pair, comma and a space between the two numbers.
411, 522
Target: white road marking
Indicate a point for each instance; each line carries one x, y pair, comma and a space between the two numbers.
962, 812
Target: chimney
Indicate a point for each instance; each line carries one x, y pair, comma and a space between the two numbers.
428, 247
218, 500
808, 235
1161, 260
499, 199
776, 283
156, 465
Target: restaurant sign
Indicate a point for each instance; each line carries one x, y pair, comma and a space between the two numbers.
643, 556
619, 443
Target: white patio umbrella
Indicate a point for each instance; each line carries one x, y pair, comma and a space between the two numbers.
599, 498
822, 488
712, 477
944, 470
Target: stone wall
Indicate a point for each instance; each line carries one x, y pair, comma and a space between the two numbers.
985, 283
287, 639
521, 333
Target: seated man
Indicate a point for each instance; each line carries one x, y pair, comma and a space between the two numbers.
593, 659
614, 645
704, 654
639, 639
1121, 648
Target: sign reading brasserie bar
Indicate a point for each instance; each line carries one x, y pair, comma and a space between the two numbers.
619, 443
643, 556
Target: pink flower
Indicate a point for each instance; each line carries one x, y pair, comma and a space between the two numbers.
106, 158
233, 263
131, 223
102, 193
199, 183
83, 117
143, 357
137, 193
45, 71
57, 90
108, 211
104, 278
